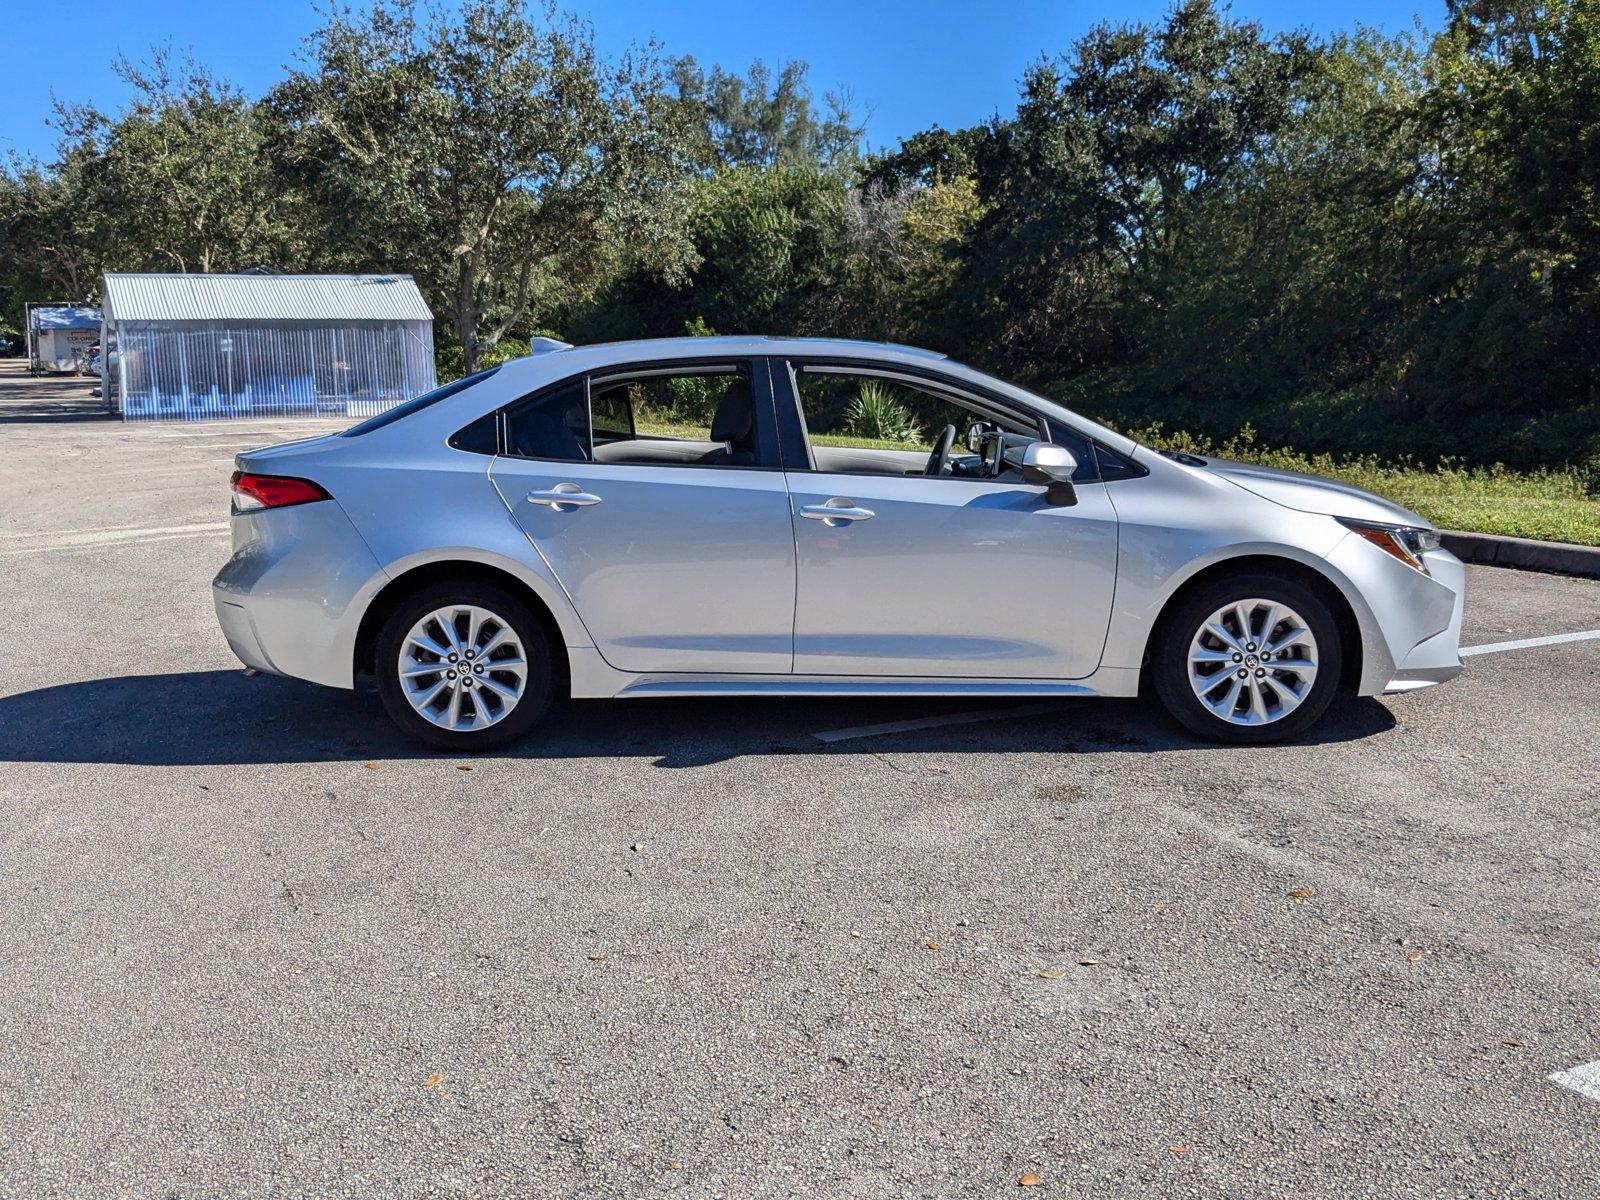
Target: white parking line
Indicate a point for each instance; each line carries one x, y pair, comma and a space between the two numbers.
963, 718
123, 530
1584, 1080
86, 539
1555, 639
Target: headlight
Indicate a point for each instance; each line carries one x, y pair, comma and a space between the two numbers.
1408, 543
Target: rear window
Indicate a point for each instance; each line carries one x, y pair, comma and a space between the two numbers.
417, 404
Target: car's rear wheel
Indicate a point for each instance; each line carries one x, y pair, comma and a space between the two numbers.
1249, 658
464, 667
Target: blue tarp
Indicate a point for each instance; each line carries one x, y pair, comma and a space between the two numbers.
45, 319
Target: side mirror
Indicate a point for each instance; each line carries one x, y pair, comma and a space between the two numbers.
1045, 462
1053, 466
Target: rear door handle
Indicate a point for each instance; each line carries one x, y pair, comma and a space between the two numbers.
564, 497
837, 511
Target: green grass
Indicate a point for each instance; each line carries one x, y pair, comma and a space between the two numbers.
658, 427
1555, 506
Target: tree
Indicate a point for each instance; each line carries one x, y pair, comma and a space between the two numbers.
1502, 328
1095, 184
1289, 282
496, 156
929, 157
766, 244
47, 242
764, 120
898, 259
1354, 244
178, 180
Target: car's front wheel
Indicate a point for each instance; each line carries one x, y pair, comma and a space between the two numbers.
1249, 658
464, 667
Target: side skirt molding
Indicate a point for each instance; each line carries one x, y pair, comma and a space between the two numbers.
592, 678
802, 686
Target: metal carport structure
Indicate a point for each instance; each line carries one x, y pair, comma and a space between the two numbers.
202, 347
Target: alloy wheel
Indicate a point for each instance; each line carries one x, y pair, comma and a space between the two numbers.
1253, 662
463, 668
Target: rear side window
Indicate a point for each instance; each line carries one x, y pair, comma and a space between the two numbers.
554, 425
481, 437
417, 404
612, 414
695, 414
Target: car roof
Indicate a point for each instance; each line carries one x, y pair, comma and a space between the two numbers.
552, 361
562, 357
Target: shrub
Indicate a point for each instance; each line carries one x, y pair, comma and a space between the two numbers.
874, 413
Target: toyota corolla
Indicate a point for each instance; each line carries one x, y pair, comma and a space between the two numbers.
795, 517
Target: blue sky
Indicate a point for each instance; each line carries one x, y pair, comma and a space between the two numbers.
909, 64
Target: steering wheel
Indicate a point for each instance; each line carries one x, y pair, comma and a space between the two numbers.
939, 460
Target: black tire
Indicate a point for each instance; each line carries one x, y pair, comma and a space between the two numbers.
538, 691
1169, 662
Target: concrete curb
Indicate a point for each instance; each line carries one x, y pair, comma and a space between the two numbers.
1525, 554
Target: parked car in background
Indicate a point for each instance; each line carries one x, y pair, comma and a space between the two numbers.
758, 516
93, 363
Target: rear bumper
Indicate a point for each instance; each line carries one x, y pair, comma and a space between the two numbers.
289, 601
241, 634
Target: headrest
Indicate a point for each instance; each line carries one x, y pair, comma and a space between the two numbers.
736, 413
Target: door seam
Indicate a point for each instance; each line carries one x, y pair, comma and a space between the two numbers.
794, 541
548, 566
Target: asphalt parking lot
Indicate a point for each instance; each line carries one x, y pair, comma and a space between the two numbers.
255, 944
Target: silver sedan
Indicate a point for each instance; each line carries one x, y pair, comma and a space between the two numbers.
758, 516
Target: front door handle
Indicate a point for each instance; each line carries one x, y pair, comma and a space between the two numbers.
564, 497
837, 511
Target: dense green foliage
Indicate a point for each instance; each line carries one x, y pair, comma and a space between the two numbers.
1358, 246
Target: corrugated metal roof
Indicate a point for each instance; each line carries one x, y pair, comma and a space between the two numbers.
64, 318
139, 297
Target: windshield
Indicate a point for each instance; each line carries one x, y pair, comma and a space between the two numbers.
417, 404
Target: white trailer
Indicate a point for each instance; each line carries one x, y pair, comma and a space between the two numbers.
60, 337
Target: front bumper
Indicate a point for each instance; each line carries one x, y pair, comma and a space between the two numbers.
1416, 678
1436, 659
1413, 637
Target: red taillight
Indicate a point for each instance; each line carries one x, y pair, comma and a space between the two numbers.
253, 492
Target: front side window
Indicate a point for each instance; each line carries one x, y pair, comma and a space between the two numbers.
867, 424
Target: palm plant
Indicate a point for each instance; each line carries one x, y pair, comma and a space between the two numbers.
874, 413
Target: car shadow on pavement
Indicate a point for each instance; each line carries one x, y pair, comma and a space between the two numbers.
48, 412
205, 718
